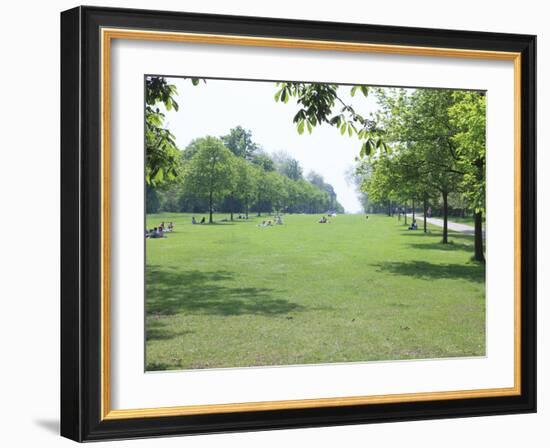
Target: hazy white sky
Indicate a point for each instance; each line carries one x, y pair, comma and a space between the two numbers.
217, 106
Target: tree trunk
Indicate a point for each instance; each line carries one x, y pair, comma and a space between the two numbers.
478, 219
405, 214
414, 216
210, 201
425, 213
445, 216
478, 237
232, 201
259, 206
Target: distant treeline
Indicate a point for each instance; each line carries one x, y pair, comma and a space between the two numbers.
232, 174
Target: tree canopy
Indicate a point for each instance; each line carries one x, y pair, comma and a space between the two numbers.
239, 142
162, 157
210, 172
436, 142
215, 177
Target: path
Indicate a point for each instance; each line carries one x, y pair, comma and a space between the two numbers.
454, 226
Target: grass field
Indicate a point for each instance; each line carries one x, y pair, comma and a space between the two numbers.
234, 294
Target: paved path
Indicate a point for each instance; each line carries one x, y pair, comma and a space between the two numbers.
454, 226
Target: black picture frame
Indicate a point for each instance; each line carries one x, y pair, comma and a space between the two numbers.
81, 224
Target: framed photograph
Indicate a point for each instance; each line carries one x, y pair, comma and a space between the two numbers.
272, 223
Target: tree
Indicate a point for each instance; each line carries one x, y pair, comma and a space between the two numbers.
318, 180
244, 185
262, 160
162, 157
319, 103
270, 192
210, 172
277, 191
239, 142
467, 114
382, 181
287, 165
152, 200
418, 122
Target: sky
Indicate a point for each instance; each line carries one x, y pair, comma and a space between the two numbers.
214, 107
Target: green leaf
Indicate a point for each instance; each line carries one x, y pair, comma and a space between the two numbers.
343, 129
335, 120
368, 147
301, 127
287, 95
353, 90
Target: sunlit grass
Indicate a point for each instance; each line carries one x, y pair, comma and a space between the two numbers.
234, 294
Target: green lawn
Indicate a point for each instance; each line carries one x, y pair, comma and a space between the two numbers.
234, 294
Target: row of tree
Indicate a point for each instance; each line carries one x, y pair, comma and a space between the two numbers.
436, 150
231, 174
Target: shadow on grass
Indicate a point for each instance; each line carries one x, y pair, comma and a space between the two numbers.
431, 271
439, 246
160, 366
170, 291
156, 330
438, 234
216, 223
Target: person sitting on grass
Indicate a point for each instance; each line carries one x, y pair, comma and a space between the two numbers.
279, 220
323, 220
413, 226
193, 220
170, 226
203, 220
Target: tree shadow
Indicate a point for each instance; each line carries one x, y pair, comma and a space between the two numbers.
430, 271
451, 246
157, 330
159, 366
170, 291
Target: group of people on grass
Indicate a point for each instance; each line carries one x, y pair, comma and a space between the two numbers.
278, 221
159, 232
